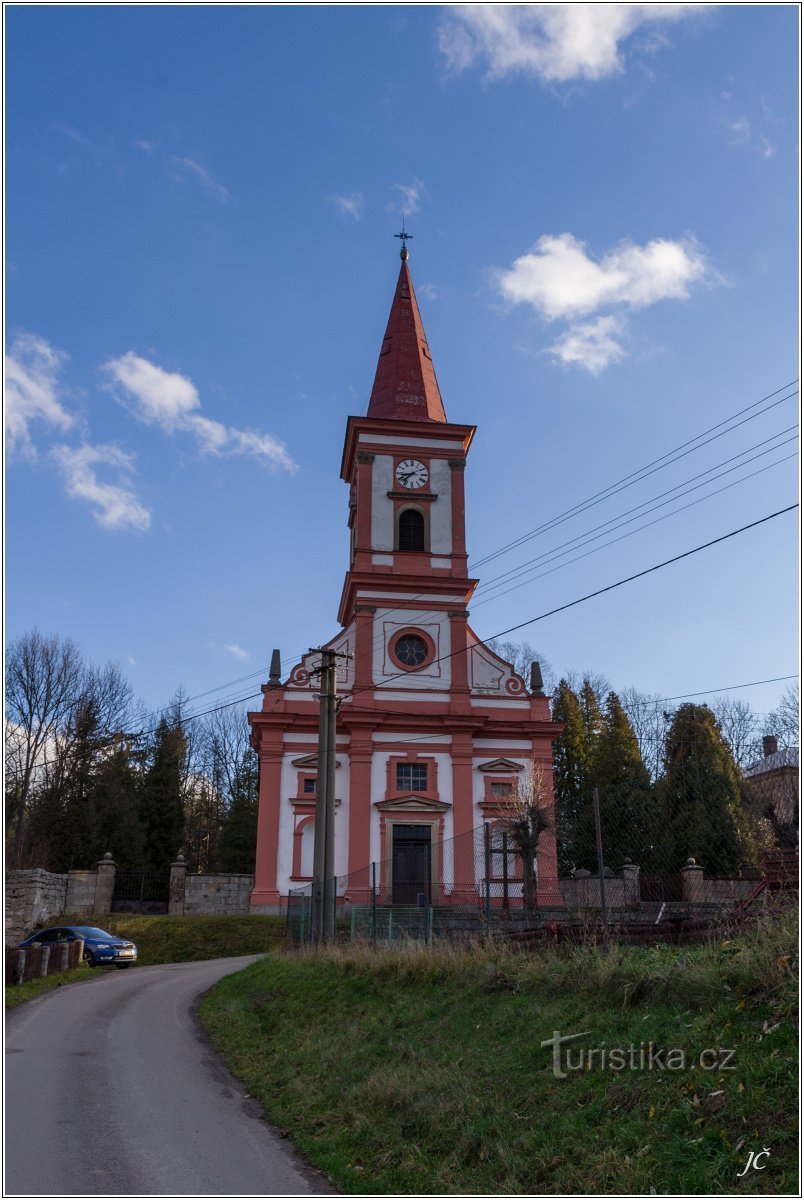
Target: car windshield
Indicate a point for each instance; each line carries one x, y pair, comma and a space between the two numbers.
91, 931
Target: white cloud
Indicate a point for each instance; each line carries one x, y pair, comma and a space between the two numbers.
409, 197
741, 134
561, 281
350, 206
202, 175
555, 42
31, 369
237, 651
171, 402
591, 344
115, 505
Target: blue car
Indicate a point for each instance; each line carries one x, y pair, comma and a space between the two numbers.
100, 948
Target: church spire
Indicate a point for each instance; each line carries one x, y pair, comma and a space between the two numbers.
405, 386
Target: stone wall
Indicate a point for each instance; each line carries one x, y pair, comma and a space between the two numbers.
585, 893
217, 895
80, 896
32, 898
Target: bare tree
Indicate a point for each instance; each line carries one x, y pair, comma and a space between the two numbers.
649, 719
44, 681
739, 725
526, 814
784, 722
520, 655
598, 682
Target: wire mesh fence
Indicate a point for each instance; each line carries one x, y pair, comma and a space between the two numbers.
663, 869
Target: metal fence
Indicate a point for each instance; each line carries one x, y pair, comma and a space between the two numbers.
479, 884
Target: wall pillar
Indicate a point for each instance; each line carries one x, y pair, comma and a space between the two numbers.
692, 882
464, 852
178, 876
630, 874
105, 873
266, 894
360, 815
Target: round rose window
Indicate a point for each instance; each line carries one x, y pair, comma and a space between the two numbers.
411, 650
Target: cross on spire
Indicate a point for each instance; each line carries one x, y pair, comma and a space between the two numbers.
405, 237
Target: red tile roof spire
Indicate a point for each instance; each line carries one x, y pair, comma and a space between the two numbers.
405, 386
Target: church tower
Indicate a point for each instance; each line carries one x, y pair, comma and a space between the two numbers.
434, 729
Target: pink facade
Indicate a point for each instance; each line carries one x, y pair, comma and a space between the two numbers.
433, 726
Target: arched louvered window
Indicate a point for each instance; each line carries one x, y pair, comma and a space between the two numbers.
411, 530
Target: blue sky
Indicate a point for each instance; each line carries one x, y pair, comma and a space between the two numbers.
199, 217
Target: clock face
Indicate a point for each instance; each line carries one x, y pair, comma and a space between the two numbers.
411, 473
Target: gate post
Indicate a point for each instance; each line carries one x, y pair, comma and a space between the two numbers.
178, 876
105, 872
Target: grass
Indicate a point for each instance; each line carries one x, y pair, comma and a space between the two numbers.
189, 939
18, 993
415, 1071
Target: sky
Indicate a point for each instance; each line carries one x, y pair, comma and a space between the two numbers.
200, 261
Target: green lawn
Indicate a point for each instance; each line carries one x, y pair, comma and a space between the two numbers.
411, 1071
17, 993
165, 940
190, 939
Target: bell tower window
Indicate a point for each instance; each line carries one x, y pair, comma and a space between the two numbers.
411, 530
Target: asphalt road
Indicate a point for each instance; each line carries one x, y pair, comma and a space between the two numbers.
111, 1089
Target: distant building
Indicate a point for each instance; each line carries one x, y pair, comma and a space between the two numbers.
435, 729
773, 783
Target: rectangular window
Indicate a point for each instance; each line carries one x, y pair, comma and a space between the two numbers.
502, 790
308, 787
411, 777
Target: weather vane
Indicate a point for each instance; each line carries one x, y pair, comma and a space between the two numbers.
405, 237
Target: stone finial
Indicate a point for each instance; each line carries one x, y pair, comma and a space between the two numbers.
536, 681
691, 862
275, 675
107, 856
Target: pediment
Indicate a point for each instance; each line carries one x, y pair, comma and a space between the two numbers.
309, 762
503, 765
412, 803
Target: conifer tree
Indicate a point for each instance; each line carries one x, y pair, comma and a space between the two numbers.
161, 797
701, 796
629, 821
238, 849
570, 774
116, 810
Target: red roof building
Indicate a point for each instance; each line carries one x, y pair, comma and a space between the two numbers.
434, 729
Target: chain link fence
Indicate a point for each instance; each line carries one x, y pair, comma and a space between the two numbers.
660, 875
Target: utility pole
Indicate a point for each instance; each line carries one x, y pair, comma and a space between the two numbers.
324, 898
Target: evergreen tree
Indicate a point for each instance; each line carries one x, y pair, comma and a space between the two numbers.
116, 809
701, 796
628, 816
161, 795
570, 774
238, 849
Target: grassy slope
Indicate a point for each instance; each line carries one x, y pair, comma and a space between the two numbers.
191, 939
166, 940
409, 1071
19, 993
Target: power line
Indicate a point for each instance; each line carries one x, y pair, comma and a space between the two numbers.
591, 595
643, 472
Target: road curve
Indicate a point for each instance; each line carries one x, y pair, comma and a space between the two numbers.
112, 1090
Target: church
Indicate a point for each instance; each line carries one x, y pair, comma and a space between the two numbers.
435, 732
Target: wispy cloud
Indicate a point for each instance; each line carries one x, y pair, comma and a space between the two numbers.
32, 367
144, 145
741, 133
196, 171
408, 197
428, 290
350, 206
559, 280
554, 42
237, 651
594, 344
115, 505
170, 401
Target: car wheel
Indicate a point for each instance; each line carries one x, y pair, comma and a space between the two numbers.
122, 966
89, 958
